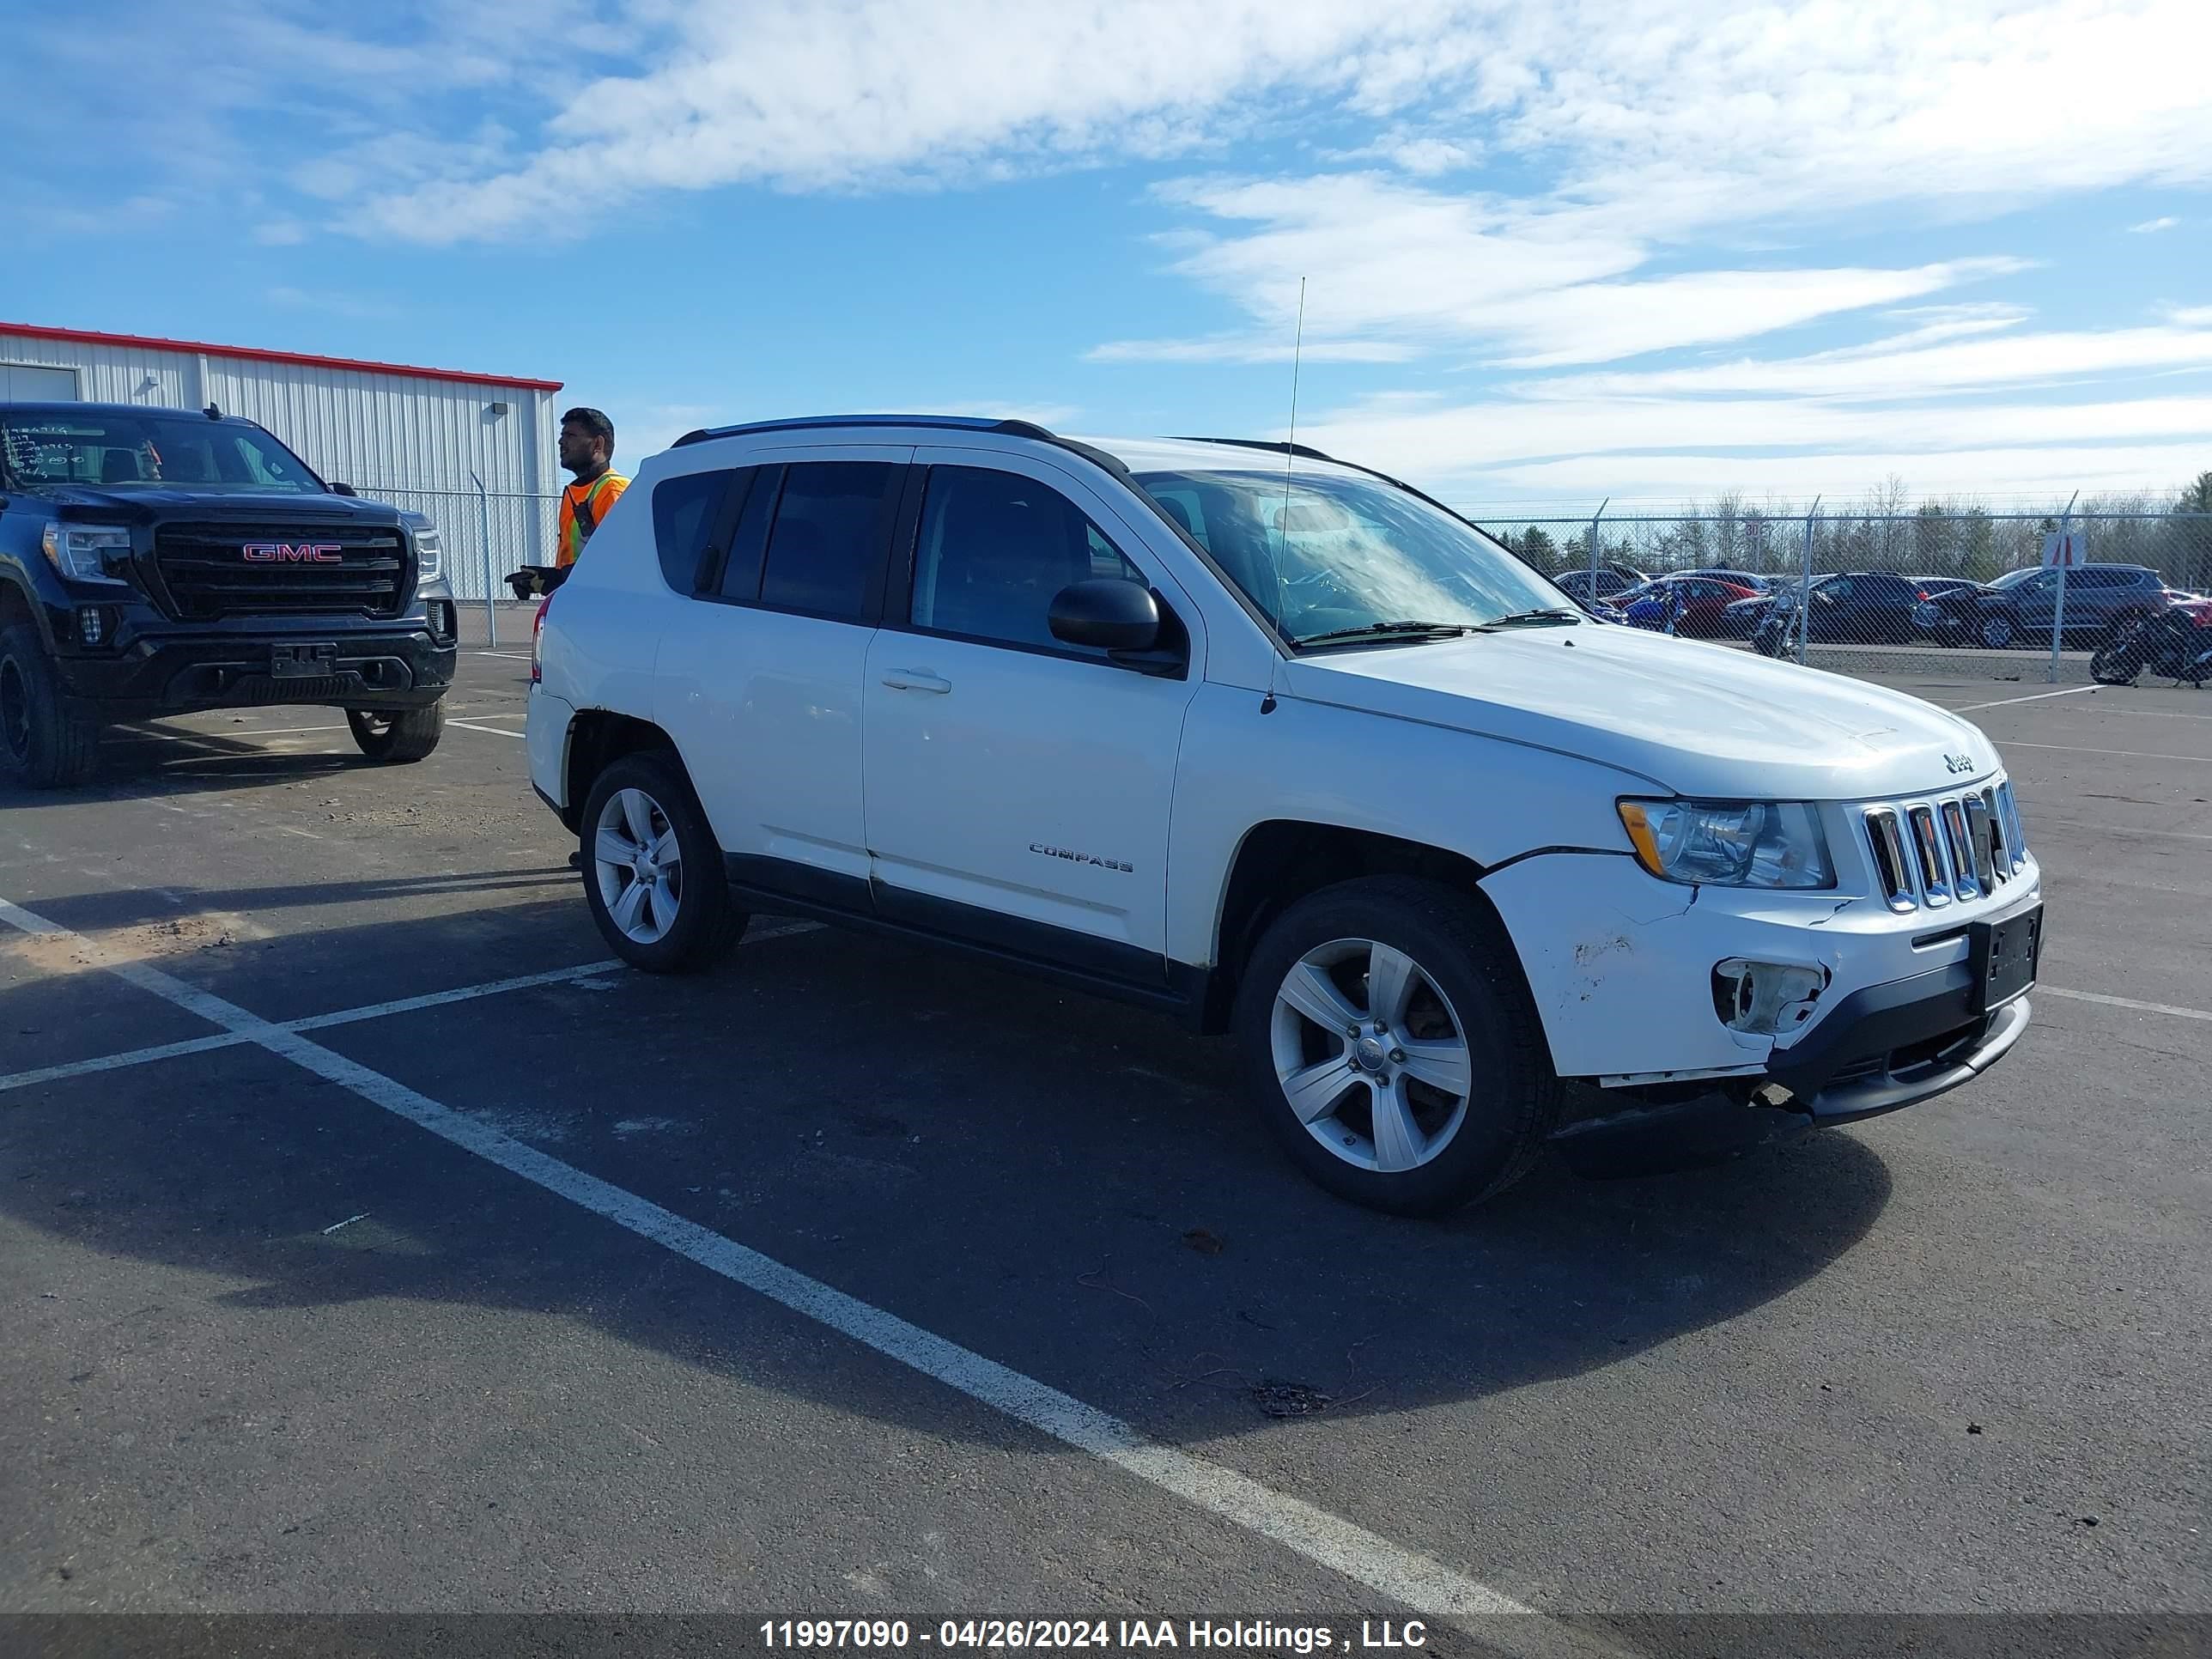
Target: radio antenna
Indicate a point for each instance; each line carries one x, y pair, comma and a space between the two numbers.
1289, 449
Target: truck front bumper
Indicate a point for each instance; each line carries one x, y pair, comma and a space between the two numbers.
399, 665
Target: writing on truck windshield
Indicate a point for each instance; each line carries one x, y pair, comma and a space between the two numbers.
149, 451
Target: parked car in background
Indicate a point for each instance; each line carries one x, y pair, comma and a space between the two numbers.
2019, 608
1756, 583
1694, 607
1847, 607
1613, 581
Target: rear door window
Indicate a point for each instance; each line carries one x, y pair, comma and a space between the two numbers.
686, 511
832, 525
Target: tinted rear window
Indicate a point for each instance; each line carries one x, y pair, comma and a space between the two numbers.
684, 510
830, 527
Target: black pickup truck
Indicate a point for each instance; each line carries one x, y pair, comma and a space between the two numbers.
161, 561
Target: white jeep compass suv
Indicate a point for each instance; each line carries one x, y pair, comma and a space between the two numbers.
1282, 745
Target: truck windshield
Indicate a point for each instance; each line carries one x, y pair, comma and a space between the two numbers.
1326, 554
152, 451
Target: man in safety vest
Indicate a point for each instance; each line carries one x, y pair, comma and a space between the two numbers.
587, 449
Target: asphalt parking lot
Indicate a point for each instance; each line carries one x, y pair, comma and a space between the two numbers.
848, 1282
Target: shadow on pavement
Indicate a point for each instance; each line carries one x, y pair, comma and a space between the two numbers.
1067, 1187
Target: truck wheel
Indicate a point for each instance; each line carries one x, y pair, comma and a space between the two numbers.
653, 871
1997, 632
43, 743
1391, 1043
395, 738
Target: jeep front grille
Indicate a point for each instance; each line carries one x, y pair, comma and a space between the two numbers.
357, 570
1928, 852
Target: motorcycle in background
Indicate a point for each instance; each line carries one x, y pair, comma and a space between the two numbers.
2175, 644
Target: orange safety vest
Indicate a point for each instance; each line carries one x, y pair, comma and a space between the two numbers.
582, 508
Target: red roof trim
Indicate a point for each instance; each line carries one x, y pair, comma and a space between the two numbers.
263, 354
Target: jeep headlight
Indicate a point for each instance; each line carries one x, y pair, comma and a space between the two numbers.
1729, 843
80, 551
429, 555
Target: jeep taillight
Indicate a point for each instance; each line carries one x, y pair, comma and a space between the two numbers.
536, 635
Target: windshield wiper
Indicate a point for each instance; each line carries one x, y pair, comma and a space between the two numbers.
1533, 618
1387, 630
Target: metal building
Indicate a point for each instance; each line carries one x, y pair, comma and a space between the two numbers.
473, 451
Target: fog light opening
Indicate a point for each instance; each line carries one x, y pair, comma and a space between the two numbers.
1765, 999
91, 625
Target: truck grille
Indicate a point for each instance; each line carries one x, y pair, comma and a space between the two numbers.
1928, 854
355, 570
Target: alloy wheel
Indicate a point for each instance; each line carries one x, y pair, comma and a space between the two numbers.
639, 866
1371, 1055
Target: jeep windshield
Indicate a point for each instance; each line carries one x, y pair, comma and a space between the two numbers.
1354, 559
124, 451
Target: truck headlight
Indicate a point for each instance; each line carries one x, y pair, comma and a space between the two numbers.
1729, 843
429, 555
79, 551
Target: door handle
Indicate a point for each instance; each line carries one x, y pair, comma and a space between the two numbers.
915, 679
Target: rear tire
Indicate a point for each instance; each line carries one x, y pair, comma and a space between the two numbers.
44, 744
661, 913
2110, 666
1368, 1123
1998, 632
397, 739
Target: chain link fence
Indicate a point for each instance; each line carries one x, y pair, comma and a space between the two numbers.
485, 535
1960, 592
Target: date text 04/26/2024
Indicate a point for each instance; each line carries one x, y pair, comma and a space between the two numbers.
1094, 1635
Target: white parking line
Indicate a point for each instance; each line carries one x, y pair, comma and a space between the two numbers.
1416, 1581
2006, 702
2117, 754
2124, 1002
352, 1016
504, 656
489, 730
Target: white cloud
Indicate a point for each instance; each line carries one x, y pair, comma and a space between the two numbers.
2018, 360
280, 233
2048, 471
2151, 227
1678, 115
1535, 288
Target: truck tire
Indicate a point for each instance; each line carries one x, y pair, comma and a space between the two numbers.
397, 739
44, 742
1389, 1041
662, 914
1998, 632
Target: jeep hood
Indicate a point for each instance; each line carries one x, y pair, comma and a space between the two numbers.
1699, 719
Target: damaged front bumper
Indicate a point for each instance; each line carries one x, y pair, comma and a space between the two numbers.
1628, 995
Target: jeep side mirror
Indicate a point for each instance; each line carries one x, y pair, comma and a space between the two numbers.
342, 489
1106, 614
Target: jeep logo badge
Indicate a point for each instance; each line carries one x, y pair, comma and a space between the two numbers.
1957, 763
286, 553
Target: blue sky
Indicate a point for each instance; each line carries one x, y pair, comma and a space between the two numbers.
1552, 253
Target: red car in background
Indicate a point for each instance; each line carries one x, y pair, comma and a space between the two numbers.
1693, 607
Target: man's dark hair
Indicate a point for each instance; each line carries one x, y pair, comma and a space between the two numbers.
594, 423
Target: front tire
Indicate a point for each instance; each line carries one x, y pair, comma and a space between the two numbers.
1390, 1043
43, 743
653, 871
398, 739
